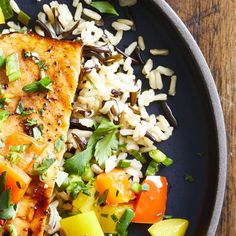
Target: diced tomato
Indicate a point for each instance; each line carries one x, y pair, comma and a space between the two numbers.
16, 179
150, 205
118, 186
33, 152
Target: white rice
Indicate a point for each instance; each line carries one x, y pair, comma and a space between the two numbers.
126, 22
141, 43
147, 67
172, 88
165, 71
120, 26
14, 6
159, 52
92, 14
130, 49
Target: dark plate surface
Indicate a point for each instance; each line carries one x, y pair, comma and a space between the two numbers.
198, 145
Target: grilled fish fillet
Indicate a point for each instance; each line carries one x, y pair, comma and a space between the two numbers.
63, 59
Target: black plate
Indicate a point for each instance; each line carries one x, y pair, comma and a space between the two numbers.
198, 145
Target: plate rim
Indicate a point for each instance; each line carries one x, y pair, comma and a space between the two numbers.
214, 99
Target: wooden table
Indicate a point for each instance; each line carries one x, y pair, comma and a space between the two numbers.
212, 23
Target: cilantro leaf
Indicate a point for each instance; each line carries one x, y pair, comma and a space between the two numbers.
104, 7
105, 146
8, 213
77, 163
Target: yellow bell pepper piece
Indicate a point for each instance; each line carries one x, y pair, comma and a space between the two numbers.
2, 18
82, 224
83, 202
107, 223
170, 227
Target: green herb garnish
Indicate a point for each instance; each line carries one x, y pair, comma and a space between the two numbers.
3, 116
104, 7
145, 187
189, 178
43, 84
102, 199
30, 122
13, 67
7, 210
41, 168
100, 145
59, 144
23, 18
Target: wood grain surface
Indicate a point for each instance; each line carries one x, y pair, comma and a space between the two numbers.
212, 23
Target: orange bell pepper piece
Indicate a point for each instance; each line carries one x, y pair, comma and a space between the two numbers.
118, 186
33, 152
150, 204
16, 179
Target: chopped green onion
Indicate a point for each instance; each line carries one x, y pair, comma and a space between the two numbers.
88, 173
104, 215
136, 187
102, 199
36, 132
104, 7
138, 156
157, 156
167, 162
19, 148
13, 67
189, 178
43, 84
165, 217
3, 116
23, 18
114, 218
124, 164
152, 168
124, 221
12, 230
59, 144
2, 58
6, 9
61, 177
19, 108
40, 111
145, 187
